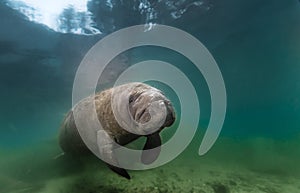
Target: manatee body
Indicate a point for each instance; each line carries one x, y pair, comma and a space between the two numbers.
144, 104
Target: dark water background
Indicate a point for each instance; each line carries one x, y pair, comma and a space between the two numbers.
255, 43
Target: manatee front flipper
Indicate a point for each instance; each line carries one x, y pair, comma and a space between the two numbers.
105, 145
121, 171
153, 141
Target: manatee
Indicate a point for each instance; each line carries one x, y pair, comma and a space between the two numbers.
126, 112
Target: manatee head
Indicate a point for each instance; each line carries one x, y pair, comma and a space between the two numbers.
144, 109
147, 103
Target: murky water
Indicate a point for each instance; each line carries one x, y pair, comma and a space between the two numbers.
256, 46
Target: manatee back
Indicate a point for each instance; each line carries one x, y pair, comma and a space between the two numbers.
69, 138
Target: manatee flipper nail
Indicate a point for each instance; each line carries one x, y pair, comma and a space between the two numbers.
105, 145
153, 141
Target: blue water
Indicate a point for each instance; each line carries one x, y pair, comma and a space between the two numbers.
255, 43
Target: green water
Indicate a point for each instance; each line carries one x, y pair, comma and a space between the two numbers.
256, 45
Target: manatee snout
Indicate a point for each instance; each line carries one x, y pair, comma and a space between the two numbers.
142, 103
170, 118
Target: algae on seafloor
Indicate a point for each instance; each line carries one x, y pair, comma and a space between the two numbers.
219, 171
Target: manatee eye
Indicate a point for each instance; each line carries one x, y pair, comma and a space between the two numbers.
134, 97
131, 99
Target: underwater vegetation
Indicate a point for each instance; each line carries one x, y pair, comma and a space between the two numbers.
24, 171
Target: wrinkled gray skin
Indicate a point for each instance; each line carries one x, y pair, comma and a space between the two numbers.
140, 97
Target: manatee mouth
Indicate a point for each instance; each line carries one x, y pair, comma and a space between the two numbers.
142, 116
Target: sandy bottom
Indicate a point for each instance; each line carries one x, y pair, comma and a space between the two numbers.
257, 165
